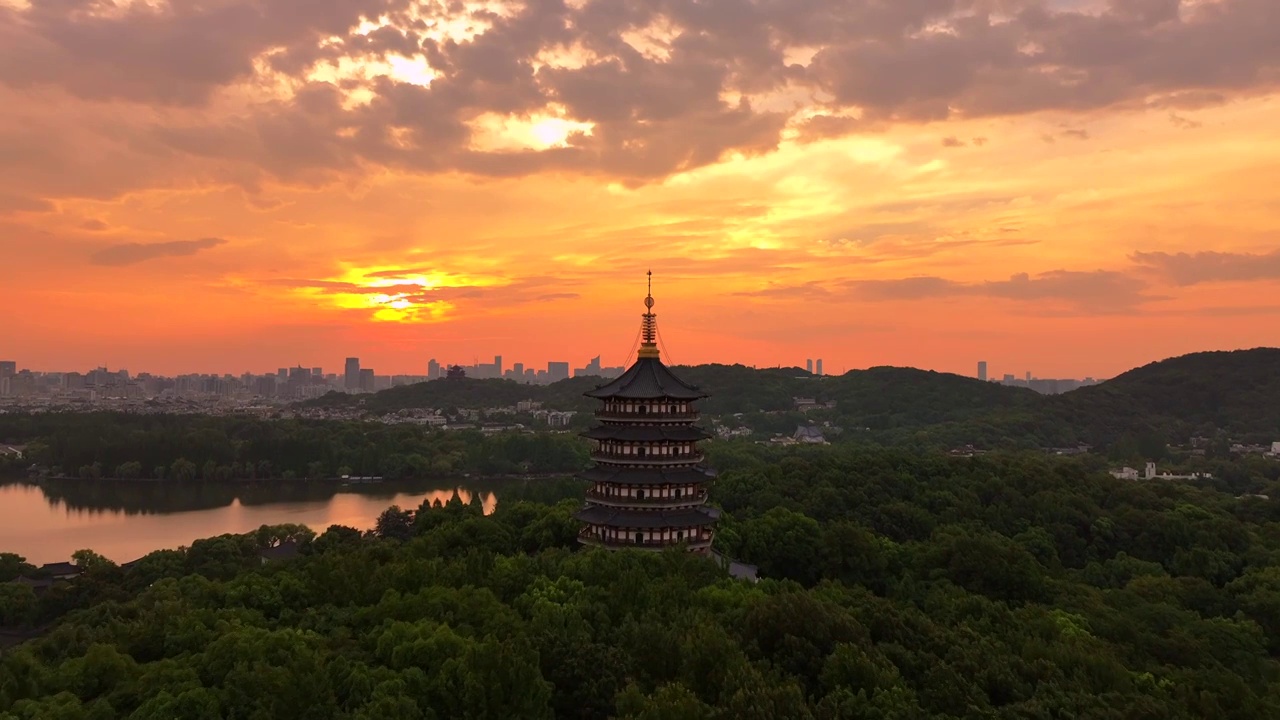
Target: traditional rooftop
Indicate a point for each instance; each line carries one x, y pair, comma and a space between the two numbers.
647, 379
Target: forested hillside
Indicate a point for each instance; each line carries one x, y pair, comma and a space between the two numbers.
1233, 392
196, 447
898, 586
1193, 394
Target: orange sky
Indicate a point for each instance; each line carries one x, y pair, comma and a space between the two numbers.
1071, 188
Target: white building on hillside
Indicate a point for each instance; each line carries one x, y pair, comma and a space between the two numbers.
1150, 473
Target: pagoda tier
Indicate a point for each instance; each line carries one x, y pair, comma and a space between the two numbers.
648, 485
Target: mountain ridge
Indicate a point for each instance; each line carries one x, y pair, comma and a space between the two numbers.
1235, 391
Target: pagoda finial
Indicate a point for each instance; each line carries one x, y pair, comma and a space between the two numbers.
648, 325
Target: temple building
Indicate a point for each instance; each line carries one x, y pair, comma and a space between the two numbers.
648, 485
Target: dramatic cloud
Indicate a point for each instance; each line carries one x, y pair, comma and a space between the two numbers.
131, 253
627, 88
1203, 267
399, 175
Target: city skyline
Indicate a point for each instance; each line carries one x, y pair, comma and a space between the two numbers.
348, 372
1077, 186
287, 384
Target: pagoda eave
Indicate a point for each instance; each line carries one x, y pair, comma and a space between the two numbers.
633, 519
620, 475
698, 545
647, 433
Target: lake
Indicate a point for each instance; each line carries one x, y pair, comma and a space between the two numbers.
126, 520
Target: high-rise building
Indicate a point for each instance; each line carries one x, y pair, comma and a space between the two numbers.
367, 382
648, 485
517, 371
808, 366
817, 367
497, 366
557, 371
317, 373
433, 369
593, 368
8, 368
982, 370
1028, 377
351, 378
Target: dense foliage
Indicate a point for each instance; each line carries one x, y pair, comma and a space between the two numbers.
191, 447
898, 586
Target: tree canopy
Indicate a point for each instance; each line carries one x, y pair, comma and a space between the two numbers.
897, 585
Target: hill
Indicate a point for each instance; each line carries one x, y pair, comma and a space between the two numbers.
1237, 392
884, 396
1200, 393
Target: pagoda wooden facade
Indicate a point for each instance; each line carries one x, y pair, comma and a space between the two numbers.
648, 485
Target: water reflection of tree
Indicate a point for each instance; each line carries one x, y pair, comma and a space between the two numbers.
162, 498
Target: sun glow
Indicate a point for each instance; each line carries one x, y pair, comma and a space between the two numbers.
541, 131
393, 294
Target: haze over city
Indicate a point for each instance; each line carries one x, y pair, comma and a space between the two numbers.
1071, 187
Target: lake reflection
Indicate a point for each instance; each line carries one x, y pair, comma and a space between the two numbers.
126, 520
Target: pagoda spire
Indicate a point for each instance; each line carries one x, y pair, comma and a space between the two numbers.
648, 326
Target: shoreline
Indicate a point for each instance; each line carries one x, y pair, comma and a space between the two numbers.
469, 477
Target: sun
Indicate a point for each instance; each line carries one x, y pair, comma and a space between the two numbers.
394, 294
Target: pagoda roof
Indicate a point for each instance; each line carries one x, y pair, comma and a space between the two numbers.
622, 517
648, 476
647, 433
647, 379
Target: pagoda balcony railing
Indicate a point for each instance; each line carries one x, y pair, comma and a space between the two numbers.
696, 498
675, 459
693, 543
645, 416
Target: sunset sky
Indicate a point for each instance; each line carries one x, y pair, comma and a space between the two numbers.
1063, 186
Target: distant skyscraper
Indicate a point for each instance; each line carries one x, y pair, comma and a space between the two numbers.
367, 380
817, 367
557, 371
433, 369
808, 366
317, 372
351, 379
517, 371
497, 366
8, 368
982, 370
1028, 377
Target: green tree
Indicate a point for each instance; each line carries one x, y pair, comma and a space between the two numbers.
131, 470
90, 561
670, 702
13, 565
395, 523
18, 604
182, 470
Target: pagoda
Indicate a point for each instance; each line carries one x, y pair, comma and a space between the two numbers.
648, 484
